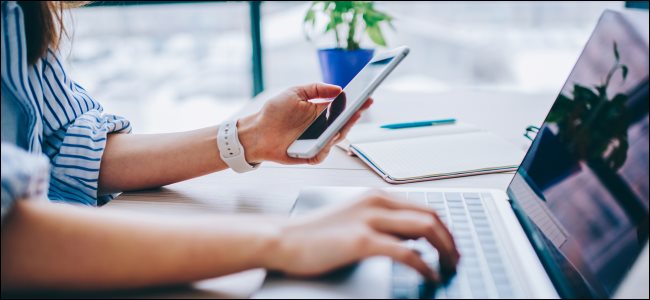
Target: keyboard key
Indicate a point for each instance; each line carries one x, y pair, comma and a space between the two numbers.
438, 207
467, 253
459, 219
462, 236
486, 240
462, 226
418, 198
481, 223
480, 293
475, 209
472, 201
484, 231
435, 198
505, 291
478, 217
471, 196
487, 196
456, 211
477, 212
453, 197
490, 247
456, 205
476, 283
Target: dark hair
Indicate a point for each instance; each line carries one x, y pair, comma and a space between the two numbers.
43, 27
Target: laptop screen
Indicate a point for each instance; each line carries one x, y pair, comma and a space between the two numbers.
582, 189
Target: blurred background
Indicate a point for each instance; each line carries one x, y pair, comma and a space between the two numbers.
179, 66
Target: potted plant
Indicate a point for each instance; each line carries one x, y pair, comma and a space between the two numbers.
349, 21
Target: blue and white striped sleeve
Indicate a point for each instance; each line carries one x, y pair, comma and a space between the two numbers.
64, 121
24, 176
76, 146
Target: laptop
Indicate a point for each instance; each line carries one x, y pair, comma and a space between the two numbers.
574, 219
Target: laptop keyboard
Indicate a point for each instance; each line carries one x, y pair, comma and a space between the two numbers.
481, 272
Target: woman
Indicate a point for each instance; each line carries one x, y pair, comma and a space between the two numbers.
89, 157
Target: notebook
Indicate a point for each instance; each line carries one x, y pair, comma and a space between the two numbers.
432, 152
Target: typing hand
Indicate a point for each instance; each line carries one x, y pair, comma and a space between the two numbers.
374, 225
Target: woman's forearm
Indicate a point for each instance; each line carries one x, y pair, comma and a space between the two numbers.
55, 246
138, 161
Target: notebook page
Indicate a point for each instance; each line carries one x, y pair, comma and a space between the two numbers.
440, 155
372, 132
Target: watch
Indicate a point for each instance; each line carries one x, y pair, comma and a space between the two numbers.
231, 150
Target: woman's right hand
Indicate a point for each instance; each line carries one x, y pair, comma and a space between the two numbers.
374, 225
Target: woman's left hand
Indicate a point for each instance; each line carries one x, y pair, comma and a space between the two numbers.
267, 134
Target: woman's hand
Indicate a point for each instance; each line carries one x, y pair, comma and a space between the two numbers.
266, 135
337, 236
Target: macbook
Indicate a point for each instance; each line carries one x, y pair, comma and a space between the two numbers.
574, 219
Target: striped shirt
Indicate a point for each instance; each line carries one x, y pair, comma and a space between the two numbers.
64, 121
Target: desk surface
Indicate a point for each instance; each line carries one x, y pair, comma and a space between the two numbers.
273, 188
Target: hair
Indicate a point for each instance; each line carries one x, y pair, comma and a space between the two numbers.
44, 25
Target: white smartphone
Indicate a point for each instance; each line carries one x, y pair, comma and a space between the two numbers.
342, 108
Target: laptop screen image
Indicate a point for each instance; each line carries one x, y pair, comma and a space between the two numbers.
582, 189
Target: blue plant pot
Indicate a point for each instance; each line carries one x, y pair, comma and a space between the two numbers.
339, 66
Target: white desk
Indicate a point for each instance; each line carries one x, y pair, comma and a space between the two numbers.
273, 188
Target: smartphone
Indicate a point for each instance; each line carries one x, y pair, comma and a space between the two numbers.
321, 131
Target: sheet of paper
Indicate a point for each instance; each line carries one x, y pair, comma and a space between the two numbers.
372, 132
445, 154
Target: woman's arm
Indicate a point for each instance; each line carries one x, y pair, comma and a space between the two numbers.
49, 246
62, 247
138, 161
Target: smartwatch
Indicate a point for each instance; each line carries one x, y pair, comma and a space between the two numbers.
231, 150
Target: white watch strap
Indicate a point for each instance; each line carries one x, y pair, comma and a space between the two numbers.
231, 150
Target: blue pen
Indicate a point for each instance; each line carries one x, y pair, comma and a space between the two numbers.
419, 124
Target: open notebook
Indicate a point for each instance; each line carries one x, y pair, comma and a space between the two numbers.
432, 152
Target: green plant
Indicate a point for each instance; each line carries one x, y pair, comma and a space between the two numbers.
346, 17
595, 125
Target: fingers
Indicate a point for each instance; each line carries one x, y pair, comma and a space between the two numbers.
317, 90
395, 249
367, 104
353, 120
318, 158
322, 155
344, 131
415, 224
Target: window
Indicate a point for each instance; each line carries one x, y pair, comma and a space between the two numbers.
517, 46
165, 67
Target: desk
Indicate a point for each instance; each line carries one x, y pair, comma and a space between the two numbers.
273, 188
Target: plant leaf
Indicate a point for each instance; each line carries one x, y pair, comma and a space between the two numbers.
616, 51
310, 17
624, 71
374, 32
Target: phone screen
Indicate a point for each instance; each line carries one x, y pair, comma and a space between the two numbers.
352, 92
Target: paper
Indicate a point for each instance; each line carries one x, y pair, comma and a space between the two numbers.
442, 155
372, 132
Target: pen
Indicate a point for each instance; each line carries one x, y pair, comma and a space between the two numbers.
419, 124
